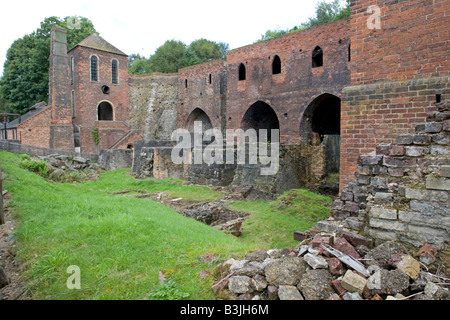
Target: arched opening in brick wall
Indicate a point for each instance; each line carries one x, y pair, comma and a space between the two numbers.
242, 72
276, 65
198, 115
105, 111
260, 116
320, 129
317, 57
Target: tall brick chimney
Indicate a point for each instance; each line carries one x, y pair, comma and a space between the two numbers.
61, 129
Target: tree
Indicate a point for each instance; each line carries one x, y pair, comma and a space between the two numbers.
138, 64
207, 50
174, 55
325, 13
25, 74
169, 58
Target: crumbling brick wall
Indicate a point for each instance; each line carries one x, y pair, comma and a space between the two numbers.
402, 189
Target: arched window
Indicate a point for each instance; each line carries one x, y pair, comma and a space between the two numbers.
72, 70
242, 72
105, 111
317, 57
94, 69
114, 72
276, 65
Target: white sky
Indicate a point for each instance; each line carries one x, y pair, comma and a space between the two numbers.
142, 26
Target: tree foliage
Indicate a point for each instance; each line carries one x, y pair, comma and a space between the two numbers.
174, 55
25, 72
325, 12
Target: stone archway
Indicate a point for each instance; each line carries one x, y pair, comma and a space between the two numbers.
320, 129
260, 116
198, 115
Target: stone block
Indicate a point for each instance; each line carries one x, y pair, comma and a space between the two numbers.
421, 139
410, 266
316, 285
404, 139
349, 296
351, 207
383, 196
285, 271
383, 149
387, 225
414, 151
438, 184
439, 151
370, 159
353, 282
396, 150
446, 125
440, 138
240, 284
433, 127
383, 213
289, 293
315, 262
399, 162
445, 171
347, 196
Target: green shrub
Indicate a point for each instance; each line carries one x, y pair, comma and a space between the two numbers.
39, 167
168, 291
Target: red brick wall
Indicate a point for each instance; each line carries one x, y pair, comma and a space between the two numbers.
200, 93
36, 130
412, 41
292, 91
88, 95
396, 73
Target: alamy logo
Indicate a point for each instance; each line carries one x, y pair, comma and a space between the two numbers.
374, 21
260, 146
73, 22
74, 281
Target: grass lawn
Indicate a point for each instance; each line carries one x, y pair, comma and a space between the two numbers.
122, 243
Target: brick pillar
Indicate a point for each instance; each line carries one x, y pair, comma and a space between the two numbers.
61, 130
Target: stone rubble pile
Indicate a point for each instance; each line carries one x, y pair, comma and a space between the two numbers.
59, 164
326, 267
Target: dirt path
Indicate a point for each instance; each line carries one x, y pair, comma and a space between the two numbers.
16, 289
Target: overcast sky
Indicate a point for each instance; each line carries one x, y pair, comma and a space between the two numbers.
142, 26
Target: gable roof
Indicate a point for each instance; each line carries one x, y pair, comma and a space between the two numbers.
34, 110
94, 41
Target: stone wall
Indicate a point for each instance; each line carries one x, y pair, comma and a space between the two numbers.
402, 190
116, 159
153, 105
